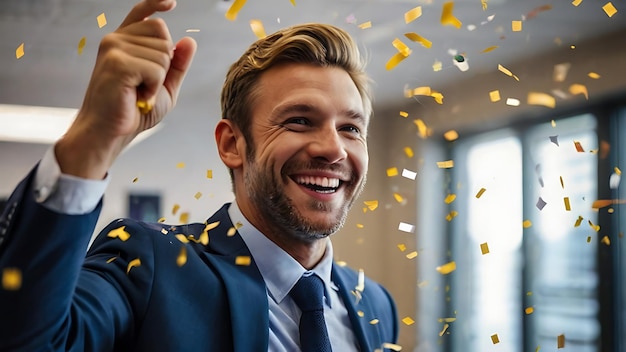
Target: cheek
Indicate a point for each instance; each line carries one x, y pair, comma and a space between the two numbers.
360, 158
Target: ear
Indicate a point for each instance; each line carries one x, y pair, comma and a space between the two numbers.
229, 144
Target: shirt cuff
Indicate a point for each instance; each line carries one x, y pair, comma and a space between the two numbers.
66, 194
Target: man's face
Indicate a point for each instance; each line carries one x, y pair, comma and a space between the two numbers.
308, 159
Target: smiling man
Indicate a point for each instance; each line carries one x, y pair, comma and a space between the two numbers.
258, 275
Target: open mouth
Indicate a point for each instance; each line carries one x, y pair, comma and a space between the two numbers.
319, 184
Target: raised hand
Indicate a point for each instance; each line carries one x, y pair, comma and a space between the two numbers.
137, 62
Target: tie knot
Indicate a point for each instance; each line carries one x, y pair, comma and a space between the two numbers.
308, 293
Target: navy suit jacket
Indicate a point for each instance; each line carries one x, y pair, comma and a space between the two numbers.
132, 294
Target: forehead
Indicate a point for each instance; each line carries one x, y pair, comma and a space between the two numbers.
307, 87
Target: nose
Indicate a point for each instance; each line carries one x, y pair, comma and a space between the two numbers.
328, 145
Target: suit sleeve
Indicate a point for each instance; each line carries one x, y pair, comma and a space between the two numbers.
58, 300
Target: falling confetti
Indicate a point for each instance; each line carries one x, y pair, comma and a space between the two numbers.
451, 215
579, 147
491, 48
536, 98
529, 310
234, 9
609, 9
484, 248
560, 71
411, 255
19, 52
120, 233
419, 39
450, 198
537, 10
175, 209
404, 227
102, 20
512, 102
180, 165
555, 140
577, 2
403, 52
437, 66
11, 279
560, 341
392, 171
516, 26
527, 224
365, 25
133, 263
447, 18
606, 240
244, 260
184, 218
392, 346
480, 192
408, 321
398, 198
182, 256
447, 268
451, 135
540, 203
579, 89
197, 195
495, 339
507, 72
412, 14
445, 328
593, 75
447, 164
371, 204
258, 29
374, 321
411, 175
409, 152
81, 45
567, 205
209, 173
494, 96
404, 114
578, 221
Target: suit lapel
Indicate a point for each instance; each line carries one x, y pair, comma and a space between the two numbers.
244, 284
366, 333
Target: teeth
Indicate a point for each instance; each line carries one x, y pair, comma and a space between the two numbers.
318, 181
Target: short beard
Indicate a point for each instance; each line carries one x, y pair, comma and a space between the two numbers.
268, 196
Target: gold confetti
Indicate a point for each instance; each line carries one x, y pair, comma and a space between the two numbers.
536, 98
446, 268
244, 260
374, 321
412, 14
484, 4
133, 263
234, 9
293, 2
360, 285
135, 179
578, 221
593, 75
494, 96
495, 339
408, 321
560, 341
365, 25
404, 114
192, 30
394, 61
562, 183
437, 66
609, 9
491, 48
209, 173
175, 209
120, 233
451, 135
180, 165
451, 215
19, 52
164, 231
184, 218
553, 123
516, 26
422, 130
144, 106
398, 198
392, 171
447, 18
450, 198
11, 279
102, 20
419, 39
480, 192
596, 228
577, 2
161, 220
408, 151
617, 171
484, 248
529, 310
197, 195
392, 346
371, 204
81, 45
445, 328
507, 72
566, 202
110, 260
418, 91
402, 247
411, 255
606, 240
447, 164
579, 147
257, 28
579, 89
182, 256
526, 224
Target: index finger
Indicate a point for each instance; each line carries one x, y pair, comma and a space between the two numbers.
146, 8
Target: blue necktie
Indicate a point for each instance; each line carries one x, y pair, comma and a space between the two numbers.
308, 293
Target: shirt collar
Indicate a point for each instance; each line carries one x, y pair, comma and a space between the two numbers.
279, 270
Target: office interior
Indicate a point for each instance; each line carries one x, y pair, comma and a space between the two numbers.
493, 210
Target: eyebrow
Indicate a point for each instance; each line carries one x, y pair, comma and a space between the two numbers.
308, 108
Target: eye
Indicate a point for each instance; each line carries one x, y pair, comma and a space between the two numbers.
297, 124
351, 129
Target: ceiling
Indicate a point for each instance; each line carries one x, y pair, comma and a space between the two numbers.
53, 73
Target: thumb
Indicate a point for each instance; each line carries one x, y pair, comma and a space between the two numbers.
183, 55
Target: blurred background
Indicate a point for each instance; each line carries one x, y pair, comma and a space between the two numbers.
497, 126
